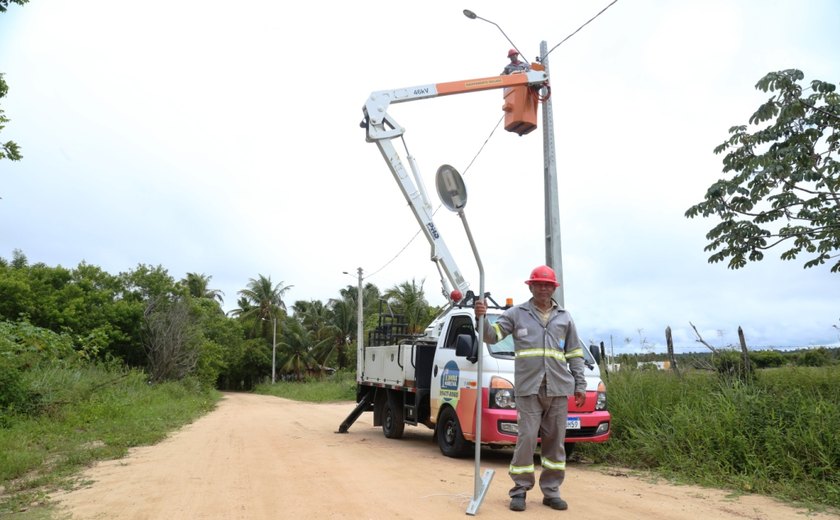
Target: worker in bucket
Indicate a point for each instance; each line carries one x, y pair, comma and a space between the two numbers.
515, 64
549, 368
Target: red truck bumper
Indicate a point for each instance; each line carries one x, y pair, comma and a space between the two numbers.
499, 426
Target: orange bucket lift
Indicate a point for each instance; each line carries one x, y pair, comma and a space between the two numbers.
520, 107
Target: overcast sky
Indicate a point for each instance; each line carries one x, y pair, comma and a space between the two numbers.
223, 138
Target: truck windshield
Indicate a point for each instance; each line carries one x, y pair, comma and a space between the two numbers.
506, 348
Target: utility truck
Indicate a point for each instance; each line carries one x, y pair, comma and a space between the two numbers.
431, 378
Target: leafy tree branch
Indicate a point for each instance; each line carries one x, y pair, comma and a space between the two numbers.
783, 178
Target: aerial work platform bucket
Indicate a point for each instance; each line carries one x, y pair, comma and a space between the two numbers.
520, 109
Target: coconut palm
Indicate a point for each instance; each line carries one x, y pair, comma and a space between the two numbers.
301, 352
197, 286
409, 300
264, 303
345, 315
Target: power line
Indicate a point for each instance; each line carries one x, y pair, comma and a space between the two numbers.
578, 29
481, 148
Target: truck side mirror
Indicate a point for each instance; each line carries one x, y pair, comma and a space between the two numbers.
465, 346
596, 353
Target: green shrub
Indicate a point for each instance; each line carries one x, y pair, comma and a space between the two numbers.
776, 435
767, 358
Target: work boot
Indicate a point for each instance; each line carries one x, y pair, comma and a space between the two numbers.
554, 503
517, 503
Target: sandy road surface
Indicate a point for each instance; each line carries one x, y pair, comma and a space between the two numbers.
260, 457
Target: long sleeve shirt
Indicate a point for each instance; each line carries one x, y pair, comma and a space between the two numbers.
547, 349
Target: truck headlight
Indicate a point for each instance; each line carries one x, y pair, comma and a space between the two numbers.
601, 399
501, 393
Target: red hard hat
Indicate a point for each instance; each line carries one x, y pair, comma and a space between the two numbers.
543, 274
512, 52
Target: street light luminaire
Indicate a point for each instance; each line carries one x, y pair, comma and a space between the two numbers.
472, 16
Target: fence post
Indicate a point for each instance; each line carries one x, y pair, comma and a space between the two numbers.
604, 359
745, 354
670, 342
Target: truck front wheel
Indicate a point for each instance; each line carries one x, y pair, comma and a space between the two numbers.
393, 420
449, 436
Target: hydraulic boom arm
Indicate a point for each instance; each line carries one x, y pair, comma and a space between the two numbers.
382, 128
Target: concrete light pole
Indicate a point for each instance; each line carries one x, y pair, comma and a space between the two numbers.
273, 346
553, 256
360, 323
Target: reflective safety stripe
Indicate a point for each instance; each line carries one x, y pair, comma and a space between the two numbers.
550, 464
541, 352
498, 330
578, 352
520, 470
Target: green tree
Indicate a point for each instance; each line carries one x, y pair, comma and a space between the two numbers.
9, 149
5, 3
344, 313
261, 303
784, 178
301, 352
198, 286
409, 300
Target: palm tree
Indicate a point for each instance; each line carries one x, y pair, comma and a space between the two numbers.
300, 350
197, 286
344, 313
264, 300
314, 315
267, 306
409, 300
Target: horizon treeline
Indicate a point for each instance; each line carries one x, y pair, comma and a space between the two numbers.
173, 329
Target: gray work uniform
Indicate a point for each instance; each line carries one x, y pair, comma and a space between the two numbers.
515, 66
548, 369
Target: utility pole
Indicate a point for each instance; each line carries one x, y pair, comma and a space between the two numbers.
274, 350
360, 327
553, 252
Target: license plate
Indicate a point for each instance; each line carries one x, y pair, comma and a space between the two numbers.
573, 423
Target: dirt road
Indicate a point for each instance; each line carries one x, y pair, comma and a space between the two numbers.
259, 457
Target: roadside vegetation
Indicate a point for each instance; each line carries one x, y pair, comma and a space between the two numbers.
60, 413
93, 363
777, 433
340, 386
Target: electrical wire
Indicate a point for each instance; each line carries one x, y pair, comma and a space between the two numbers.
539, 97
481, 148
576, 31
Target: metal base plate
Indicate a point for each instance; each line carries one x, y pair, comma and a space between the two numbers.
472, 509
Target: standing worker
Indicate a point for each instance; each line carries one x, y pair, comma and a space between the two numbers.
548, 369
515, 65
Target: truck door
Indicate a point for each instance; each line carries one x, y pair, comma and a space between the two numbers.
454, 378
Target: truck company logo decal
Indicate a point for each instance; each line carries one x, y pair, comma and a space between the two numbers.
433, 230
449, 382
481, 82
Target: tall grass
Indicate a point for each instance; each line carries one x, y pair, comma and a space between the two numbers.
86, 413
340, 386
779, 435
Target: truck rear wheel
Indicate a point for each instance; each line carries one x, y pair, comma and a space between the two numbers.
393, 419
449, 436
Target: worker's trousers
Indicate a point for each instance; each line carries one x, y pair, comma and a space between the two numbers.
540, 415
